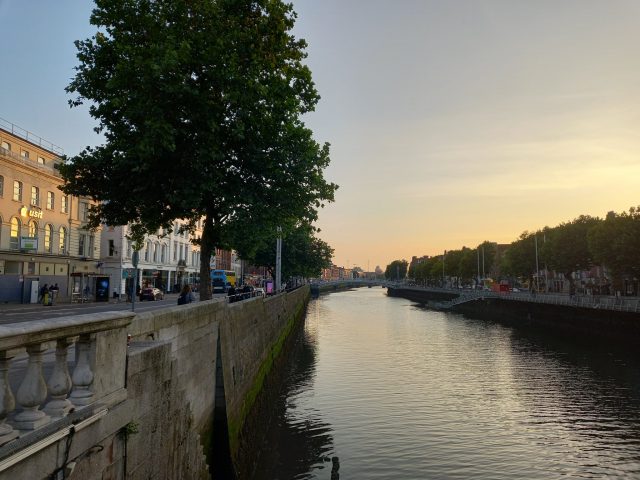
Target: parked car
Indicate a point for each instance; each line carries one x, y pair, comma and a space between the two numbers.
259, 292
151, 293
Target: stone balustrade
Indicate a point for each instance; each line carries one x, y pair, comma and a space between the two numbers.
31, 399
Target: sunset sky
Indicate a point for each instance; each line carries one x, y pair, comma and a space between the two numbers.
451, 122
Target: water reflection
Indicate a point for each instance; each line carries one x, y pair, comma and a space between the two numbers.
303, 439
401, 392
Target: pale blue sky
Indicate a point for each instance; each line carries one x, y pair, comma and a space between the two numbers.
451, 122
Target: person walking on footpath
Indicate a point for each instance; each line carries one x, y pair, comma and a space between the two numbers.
52, 292
45, 295
186, 295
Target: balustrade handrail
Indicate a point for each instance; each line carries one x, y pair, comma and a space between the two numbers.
18, 335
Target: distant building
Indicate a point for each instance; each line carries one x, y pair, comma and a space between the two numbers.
42, 234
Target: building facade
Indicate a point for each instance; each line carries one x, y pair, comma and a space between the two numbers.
167, 260
43, 239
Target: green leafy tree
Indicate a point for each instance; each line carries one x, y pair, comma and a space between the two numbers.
200, 102
396, 270
520, 258
468, 265
303, 254
485, 258
615, 243
565, 248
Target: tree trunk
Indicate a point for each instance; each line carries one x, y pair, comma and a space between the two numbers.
207, 247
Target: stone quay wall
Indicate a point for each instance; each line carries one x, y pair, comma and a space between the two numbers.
602, 323
151, 405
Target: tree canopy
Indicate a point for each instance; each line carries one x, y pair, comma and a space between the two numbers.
303, 254
396, 270
565, 248
615, 243
201, 105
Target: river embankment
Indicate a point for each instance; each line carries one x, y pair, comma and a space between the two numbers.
534, 314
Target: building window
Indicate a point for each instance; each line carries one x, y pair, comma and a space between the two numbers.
17, 191
83, 208
175, 251
147, 251
24, 154
14, 243
1, 186
82, 241
6, 146
41, 160
163, 256
35, 196
63, 239
92, 241
112, 248
181, 252
50, 200
33, 229
155, 252
64, 205
129, 249
48, 234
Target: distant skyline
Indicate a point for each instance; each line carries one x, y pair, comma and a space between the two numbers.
451, 122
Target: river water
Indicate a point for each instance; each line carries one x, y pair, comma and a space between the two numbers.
396, 391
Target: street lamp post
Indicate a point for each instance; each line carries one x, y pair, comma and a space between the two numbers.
279, 259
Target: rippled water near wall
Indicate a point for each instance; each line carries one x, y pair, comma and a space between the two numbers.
399, 392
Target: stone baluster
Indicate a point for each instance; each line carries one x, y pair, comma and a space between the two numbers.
7, 402
82, 375
32, 392
59, 382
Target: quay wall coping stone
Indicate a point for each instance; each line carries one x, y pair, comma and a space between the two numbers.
16, 335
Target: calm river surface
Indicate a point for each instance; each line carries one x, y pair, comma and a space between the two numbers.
399, 392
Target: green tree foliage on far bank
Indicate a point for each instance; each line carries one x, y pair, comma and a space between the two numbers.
615, 243
565, 248
201, 105
396, 270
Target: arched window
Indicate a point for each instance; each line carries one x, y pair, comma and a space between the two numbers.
48, 235
63, 240
156, 252
33, 228
14, 243
147, 251
163, 255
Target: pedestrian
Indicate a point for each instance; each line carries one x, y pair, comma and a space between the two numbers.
186, 295
52, 292
44, 288
44, 292
232, 293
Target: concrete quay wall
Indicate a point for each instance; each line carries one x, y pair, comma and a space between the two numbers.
600, 323
158, 397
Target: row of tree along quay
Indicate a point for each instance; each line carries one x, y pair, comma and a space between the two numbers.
201, 104
612, 242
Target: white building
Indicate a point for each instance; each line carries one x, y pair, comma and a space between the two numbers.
167, 260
